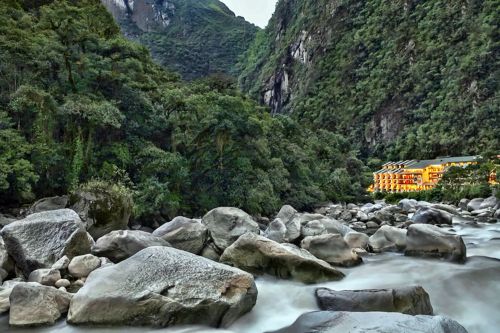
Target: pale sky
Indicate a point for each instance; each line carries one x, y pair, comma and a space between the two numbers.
256, 11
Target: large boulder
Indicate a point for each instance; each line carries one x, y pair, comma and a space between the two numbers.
103, 207
47, 204
331, 248
286, 213
490, 202
387, 214
333, 226
184, 234
428, 215
313, 228
463, 204
45, 276
227, 224
371, 322
37, 305
474, 204
162, 286
408, 205
426, 240
410, 300
357, 240
119, 245
388, 238
82, 266
40, 239
276, 231
259, 255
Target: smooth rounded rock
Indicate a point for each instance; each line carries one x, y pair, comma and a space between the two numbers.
82, 266
163, 286
331, 248
227, 224
184, 234
45, 276
119, 245
388, 238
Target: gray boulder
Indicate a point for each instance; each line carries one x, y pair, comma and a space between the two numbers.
119, 245
276, 231
313, 228
331, 248
162, 286
48, 204
474, 204
45, 276
37, 305
388, 238
356, 240
333, 226
227, 224
408, 205
184, 234
409, 300
463, 204
62, 264
259, 255
102, 208
6, 263
490, 202
362, 216
40, 239
497, 214
82, 266
426, 240
370, 322
286, 213
427, 215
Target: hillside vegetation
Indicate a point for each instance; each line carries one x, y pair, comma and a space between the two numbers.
79, 102
400, 79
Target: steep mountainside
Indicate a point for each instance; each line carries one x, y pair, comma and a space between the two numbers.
402, 79
193, 37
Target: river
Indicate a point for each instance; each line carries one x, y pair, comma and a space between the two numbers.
468, 293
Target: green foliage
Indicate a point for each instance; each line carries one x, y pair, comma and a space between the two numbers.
85, 106
400, 79
203, 37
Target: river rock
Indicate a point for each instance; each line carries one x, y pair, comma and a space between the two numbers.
259, 255
388, 238
286, 213
184, 234
474, 204
362, 216
497, 214
118, 245
489, 202
426, 240
408, 205
82, 266
313, 228
427, 215
36, 305
45, 276
331, 248
333, 226
370, 322
356, 240
62, 264
409, 300
47, 204
163, 286
276, 231
463, 204
387, 214
6, 263
102, 210
40, 239
62, 283
227, 224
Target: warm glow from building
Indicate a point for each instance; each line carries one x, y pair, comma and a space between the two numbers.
415, 175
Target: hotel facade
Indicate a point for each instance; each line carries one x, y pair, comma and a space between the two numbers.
416, 175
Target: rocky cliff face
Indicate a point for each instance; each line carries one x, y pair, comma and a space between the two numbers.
392, 76
193, 37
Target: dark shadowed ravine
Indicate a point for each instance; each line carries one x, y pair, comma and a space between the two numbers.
468, 293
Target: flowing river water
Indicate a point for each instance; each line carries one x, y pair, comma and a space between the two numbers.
468, 293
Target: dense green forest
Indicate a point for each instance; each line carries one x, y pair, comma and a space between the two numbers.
401, 79
79, 102
195, 38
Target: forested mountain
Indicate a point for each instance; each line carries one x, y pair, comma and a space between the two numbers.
80, 102
401, 79
193, 37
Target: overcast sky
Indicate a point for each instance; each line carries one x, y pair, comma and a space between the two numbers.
256, 11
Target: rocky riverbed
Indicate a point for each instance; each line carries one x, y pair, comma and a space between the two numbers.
415, 264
